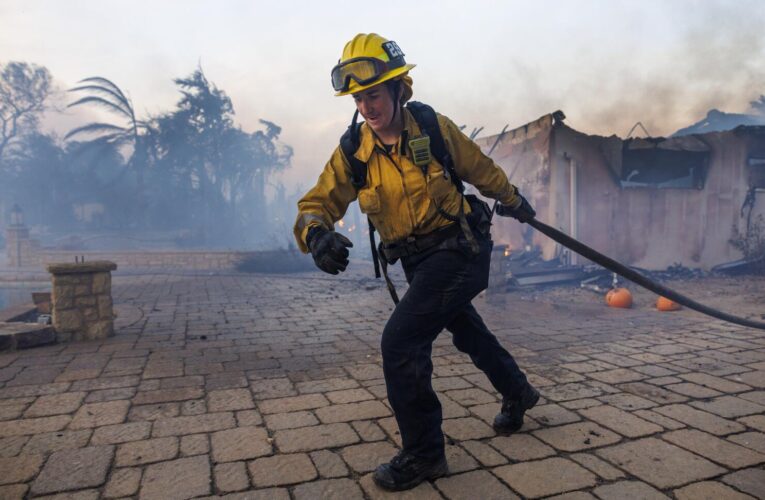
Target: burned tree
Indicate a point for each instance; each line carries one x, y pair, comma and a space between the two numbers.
218, 169
24, 89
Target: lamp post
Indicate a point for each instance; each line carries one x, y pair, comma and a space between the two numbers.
15, 232
17, 215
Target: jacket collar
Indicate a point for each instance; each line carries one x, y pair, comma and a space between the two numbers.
368, 140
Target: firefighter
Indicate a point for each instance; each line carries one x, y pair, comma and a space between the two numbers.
441, 237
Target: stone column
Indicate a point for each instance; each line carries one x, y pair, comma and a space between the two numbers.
82, 300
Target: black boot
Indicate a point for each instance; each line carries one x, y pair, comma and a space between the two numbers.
510, 418
406, 471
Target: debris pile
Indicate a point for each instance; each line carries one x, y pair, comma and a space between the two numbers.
525, 268
674, 272
740, 267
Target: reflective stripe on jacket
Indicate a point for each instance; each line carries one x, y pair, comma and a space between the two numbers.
399, 198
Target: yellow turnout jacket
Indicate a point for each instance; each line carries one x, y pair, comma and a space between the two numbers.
399, 198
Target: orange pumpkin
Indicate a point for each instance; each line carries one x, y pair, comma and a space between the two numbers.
664, 304
619, 297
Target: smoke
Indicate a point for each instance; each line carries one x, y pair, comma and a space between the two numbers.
717, 61
606, 65
718, 65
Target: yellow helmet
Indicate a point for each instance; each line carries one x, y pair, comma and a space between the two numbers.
368, 60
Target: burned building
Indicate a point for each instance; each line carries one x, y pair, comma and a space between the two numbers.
648, 202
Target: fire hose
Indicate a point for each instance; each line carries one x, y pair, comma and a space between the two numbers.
634, 276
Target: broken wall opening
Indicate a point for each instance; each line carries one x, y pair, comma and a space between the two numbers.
659, 163
664, 169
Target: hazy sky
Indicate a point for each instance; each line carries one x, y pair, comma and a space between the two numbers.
606, 64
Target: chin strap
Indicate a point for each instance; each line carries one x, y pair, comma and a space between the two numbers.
395, 88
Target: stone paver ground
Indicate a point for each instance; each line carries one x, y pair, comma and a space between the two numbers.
270, 386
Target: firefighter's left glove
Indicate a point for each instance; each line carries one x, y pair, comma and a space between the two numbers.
523, 212
329, 249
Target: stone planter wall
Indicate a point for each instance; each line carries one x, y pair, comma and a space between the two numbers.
25, 253
202, 260
82, 300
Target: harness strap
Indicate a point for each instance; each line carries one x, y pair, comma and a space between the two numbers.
388, 282
349, 143
373, 246
418, 244
474, 247
426, 118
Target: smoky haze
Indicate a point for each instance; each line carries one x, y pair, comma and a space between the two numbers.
717, 63
607, 65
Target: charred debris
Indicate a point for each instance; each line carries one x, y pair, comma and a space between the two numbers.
525, 269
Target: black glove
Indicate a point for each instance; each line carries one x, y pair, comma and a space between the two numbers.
329, 249
523, 213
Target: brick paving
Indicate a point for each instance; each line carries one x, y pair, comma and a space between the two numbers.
265, 386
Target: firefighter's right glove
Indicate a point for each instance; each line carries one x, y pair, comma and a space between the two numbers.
523, 212
329, 249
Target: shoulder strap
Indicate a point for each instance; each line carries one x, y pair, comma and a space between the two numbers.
428, 121
426, 118
349, 143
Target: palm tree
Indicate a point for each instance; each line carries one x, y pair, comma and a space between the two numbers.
134, 133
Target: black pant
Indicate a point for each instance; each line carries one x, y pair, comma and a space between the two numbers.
441, 286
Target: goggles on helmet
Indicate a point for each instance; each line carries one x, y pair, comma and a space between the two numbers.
363, 70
